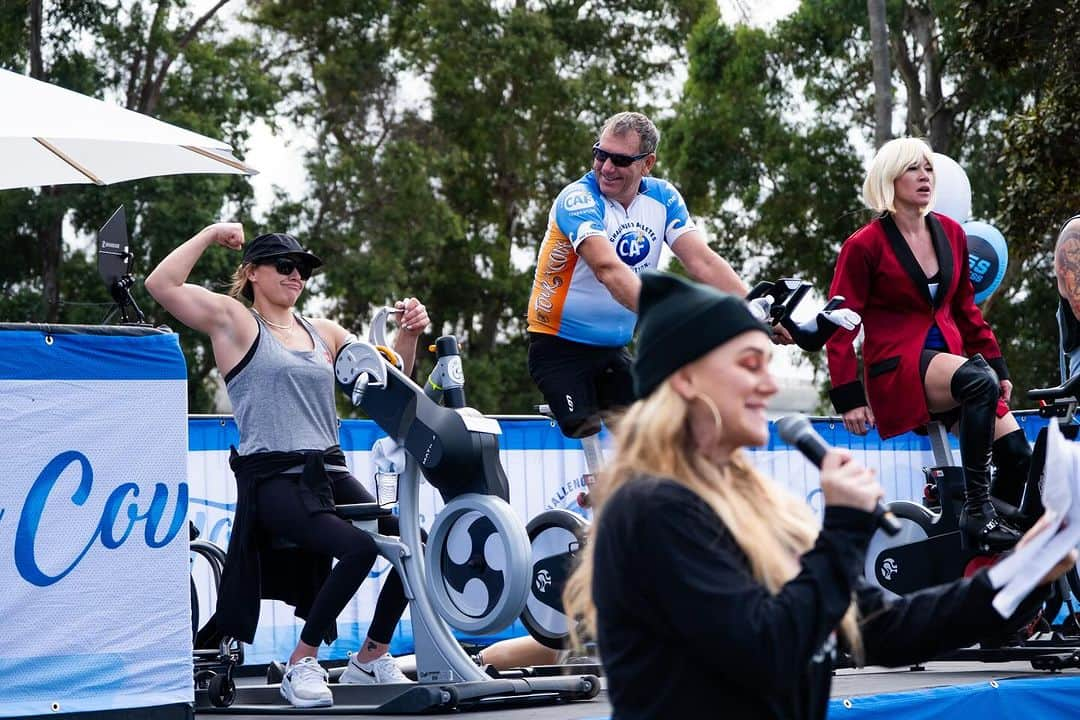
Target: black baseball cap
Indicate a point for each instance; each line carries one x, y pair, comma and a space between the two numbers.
275, 245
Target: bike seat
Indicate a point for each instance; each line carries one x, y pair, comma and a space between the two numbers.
354, 513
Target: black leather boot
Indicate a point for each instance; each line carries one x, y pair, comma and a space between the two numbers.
975, 386
1020, 503
1012, 516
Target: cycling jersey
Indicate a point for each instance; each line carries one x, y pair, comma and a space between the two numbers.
567, 299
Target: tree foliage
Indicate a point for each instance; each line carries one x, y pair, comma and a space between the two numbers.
779, 187
441, 132
446, 200
773, 126
1031, 46
160, 59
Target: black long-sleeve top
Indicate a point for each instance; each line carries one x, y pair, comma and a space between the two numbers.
684, 629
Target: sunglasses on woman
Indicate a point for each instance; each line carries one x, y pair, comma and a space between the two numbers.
285, 266
617, 159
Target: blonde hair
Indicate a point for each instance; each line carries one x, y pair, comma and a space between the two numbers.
890, 162
240, 286
771, 526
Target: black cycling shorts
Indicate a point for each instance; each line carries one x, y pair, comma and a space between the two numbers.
580, 382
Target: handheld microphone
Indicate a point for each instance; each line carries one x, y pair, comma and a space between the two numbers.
796, 430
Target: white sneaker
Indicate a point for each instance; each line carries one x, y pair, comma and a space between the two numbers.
382, 669
304, 684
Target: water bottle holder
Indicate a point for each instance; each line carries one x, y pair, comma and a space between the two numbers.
386, 488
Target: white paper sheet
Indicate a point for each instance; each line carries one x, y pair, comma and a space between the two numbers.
1019, 574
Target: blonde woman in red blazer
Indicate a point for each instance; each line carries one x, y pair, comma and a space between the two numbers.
927, 351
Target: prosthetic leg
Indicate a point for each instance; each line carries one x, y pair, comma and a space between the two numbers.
594, 461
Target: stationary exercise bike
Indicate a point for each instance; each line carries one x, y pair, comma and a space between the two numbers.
774, 303
927, 551
557, 535
473, 573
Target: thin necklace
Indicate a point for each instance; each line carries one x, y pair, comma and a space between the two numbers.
273, 324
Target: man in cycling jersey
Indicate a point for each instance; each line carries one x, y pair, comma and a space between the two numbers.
603, 230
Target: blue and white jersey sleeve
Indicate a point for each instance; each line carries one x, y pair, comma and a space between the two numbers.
579, 212
677, 220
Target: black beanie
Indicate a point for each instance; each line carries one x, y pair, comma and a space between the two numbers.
680, 321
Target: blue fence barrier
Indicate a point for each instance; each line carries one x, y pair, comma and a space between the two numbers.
545, 470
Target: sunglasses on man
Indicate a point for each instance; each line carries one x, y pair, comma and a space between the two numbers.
285, 266
617, 159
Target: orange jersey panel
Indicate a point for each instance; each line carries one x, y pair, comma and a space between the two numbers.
554, 268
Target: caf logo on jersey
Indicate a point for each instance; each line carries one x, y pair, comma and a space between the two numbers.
579, 201
632, 246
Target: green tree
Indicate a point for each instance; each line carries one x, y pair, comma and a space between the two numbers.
447, 199
773, 126
1031, 46
159, 59
778, 184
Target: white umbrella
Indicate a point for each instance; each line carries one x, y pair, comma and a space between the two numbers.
53, 136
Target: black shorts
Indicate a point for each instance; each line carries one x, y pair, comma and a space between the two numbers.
950, 418
580, 382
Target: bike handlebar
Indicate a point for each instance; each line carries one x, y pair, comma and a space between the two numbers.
1070, 388
774, 302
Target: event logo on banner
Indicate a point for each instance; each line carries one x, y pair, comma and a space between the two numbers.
93, 523
111, 530
570, 494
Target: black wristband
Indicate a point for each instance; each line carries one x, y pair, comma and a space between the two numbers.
999, 366
848, 396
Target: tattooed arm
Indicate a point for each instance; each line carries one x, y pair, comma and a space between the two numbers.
1067, 264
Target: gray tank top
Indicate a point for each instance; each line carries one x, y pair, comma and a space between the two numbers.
283, 400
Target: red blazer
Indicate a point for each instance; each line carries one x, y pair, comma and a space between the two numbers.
880, 279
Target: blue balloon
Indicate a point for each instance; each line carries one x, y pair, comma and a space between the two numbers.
988, 257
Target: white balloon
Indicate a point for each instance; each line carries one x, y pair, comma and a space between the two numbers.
953, 189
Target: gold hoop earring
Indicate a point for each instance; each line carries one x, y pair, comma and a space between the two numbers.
715, 411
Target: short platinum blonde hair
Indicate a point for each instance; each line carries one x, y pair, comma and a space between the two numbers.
624, 122
890, 162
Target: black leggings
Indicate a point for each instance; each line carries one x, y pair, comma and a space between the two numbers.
281, 513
